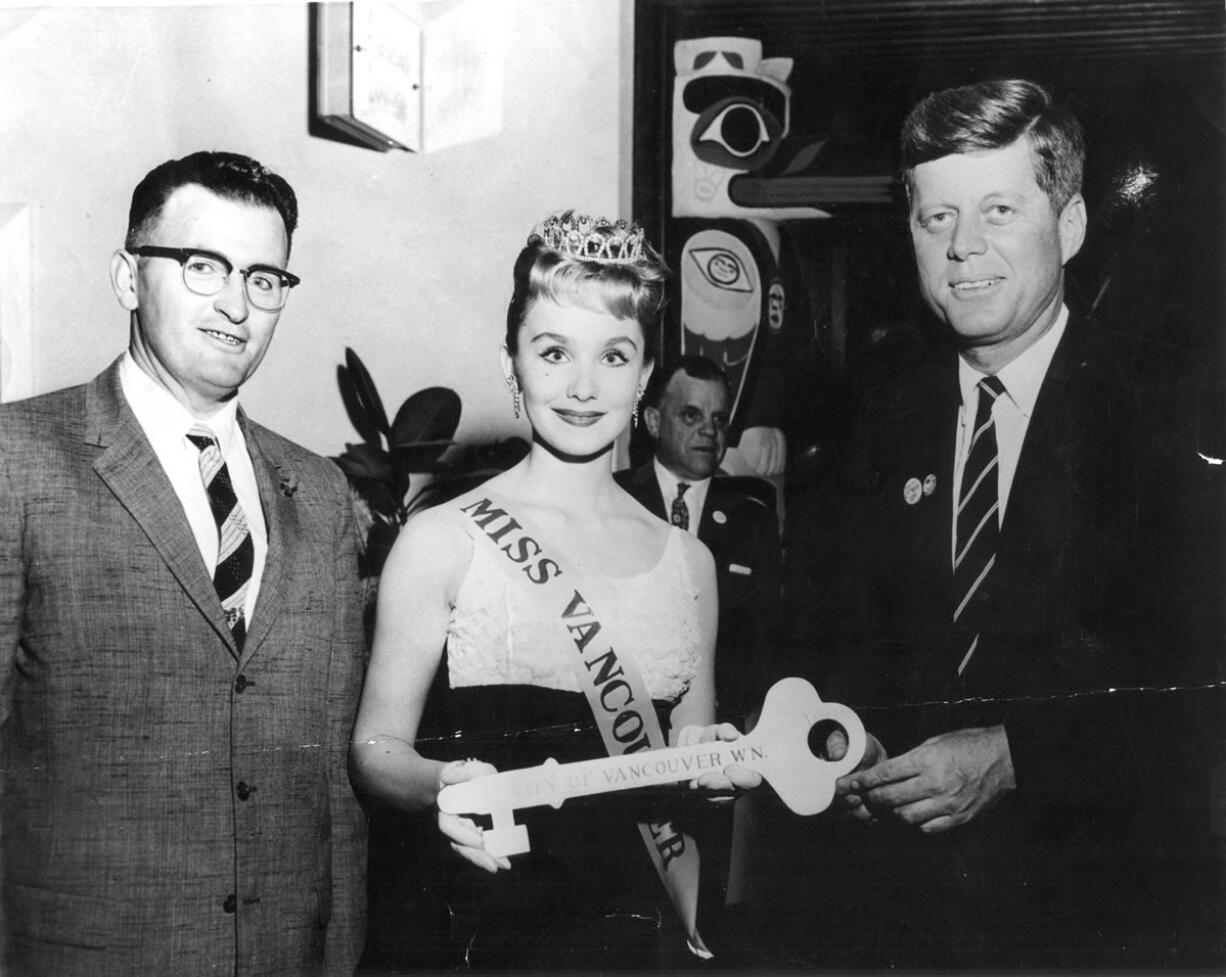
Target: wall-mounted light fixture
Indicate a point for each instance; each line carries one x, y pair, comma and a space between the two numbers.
395, 74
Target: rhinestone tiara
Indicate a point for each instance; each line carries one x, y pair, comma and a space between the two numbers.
593, 238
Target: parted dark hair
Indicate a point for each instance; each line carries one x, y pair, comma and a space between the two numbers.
698, 367
993, 115
633, 290
228, 175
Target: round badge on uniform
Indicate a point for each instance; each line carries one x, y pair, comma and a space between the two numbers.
719, 517
930, 484
912, 491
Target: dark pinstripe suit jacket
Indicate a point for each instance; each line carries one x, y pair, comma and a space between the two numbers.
171, 805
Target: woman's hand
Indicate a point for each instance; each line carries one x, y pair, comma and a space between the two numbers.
464, 835
733, 776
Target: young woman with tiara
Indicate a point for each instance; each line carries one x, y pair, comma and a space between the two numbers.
536, 617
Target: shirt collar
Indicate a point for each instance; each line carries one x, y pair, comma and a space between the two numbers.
164, 418
669, 482
1022, 376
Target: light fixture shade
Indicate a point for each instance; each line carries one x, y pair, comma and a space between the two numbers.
410, 75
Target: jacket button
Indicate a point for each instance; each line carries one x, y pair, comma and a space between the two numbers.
241, 684
230, 903
244, 790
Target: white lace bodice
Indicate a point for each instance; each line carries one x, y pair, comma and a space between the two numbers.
497, 635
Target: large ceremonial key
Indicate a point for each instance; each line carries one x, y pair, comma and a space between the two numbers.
777, 748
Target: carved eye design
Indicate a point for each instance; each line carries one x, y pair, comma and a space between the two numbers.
738, 129
776, 303
723, 269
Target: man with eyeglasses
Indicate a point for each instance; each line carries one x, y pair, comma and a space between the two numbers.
182, 617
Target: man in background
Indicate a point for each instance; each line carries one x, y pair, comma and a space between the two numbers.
180, 609
686, 411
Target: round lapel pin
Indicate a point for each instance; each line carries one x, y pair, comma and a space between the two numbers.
719, 517
930, 484
912, 491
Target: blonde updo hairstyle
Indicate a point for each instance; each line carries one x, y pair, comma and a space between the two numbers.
625, 289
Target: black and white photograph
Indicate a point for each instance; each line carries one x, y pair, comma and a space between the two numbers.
693, 487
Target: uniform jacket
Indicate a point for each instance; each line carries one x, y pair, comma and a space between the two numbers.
742, 534
171, 805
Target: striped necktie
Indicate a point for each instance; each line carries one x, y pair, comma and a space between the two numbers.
680, 513
235, 551
978, 524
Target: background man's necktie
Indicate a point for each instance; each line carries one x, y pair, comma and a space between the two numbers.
978, 524
235, 551
680, 515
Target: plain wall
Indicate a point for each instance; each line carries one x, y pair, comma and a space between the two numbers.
405, 257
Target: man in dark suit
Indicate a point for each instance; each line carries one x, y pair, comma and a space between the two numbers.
686, 411
998, 640
181, 616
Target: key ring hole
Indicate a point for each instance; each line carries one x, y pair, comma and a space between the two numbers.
819, 732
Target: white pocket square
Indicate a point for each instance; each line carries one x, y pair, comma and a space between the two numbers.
737, 568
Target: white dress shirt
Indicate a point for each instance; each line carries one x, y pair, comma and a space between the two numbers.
694, 499
166, 422
1022, 377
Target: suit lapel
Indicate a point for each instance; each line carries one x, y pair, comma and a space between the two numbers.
131, 470
710, 529
910, 538
277, 486
935, 436
1055, 430
647, 489
1034, 542
928, 427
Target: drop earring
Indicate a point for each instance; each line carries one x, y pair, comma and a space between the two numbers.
513, 386
634, 414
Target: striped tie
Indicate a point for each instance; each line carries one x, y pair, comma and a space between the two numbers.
978, 523
680, 514
235, 551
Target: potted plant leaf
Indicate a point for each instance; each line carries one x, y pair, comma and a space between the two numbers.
418, 441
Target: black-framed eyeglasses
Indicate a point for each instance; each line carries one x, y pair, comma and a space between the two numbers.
206, 273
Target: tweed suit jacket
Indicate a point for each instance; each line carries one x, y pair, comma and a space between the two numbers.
171, 805
742, 534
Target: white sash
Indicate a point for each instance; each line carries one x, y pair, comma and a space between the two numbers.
606, 671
